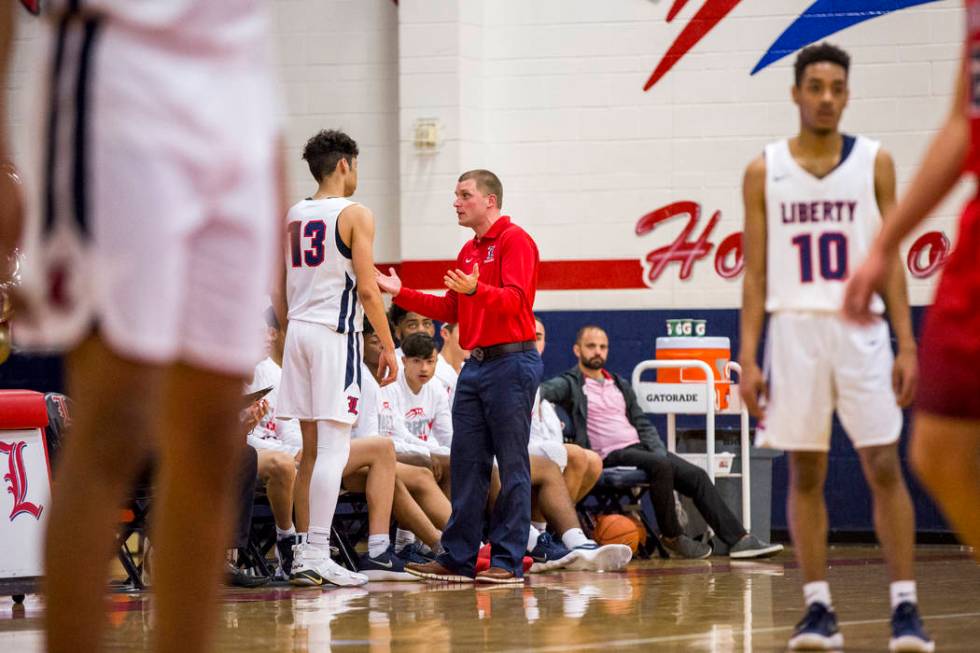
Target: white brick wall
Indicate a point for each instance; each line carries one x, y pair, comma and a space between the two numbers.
338, 61
583, 152
548, 93
338, 66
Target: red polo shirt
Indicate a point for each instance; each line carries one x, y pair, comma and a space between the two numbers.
501, 309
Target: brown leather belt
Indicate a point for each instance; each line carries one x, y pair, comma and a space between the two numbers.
484, 354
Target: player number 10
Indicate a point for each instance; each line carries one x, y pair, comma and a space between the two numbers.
832, 252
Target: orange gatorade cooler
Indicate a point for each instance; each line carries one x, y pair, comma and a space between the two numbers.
716, 352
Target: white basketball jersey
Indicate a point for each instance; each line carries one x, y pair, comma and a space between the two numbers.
818, 230
320, 282
426, 416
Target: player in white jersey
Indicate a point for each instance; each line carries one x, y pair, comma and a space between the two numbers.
420, 506
812, 206
155, 170
278, 443
451, 359
581, 468
405, 323
328, 287
413, 408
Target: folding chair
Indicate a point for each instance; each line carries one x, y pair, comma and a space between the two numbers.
261, 538
135, 520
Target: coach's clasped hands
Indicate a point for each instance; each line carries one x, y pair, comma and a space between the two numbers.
462, 283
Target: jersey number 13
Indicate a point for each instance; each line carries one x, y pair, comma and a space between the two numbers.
312, 256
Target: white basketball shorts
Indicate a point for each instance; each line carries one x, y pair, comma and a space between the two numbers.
817, 363
553, 451
321, 374
156, 219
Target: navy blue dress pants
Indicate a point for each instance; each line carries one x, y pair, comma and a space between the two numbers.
491, 417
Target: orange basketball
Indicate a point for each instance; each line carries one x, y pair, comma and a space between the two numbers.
617, 529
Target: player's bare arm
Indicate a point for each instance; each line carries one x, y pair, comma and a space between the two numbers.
278, 293
357, 229
752, 383
938, 173
905, 371
11, 207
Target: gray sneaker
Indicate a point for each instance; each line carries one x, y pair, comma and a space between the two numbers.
752, 547
686, 547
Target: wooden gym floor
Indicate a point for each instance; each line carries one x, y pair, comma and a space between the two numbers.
714, 605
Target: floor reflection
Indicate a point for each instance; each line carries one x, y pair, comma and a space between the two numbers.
714, 605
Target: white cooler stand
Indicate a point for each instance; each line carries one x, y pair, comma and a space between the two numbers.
698, 398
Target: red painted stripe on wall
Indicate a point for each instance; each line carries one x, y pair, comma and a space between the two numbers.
598, 274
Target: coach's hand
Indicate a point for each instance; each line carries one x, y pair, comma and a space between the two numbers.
387, 367
752, 387
462, 283
389, 283
905, 377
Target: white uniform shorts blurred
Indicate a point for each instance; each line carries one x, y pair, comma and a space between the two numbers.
155, 221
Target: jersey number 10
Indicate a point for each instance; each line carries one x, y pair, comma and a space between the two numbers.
316, 231
832, 252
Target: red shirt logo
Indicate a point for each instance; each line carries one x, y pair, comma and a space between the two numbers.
352, 405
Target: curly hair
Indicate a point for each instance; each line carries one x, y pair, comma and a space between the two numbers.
325, 149
817, 53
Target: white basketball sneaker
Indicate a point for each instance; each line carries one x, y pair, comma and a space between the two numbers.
335, 574
313, 567
591, 556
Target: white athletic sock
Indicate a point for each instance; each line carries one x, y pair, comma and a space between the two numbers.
403, 538
283, 534
540, 525
332, 451
437, 550
902, 591
302, 538
573, 537
378, 544
817, 592
532, 537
